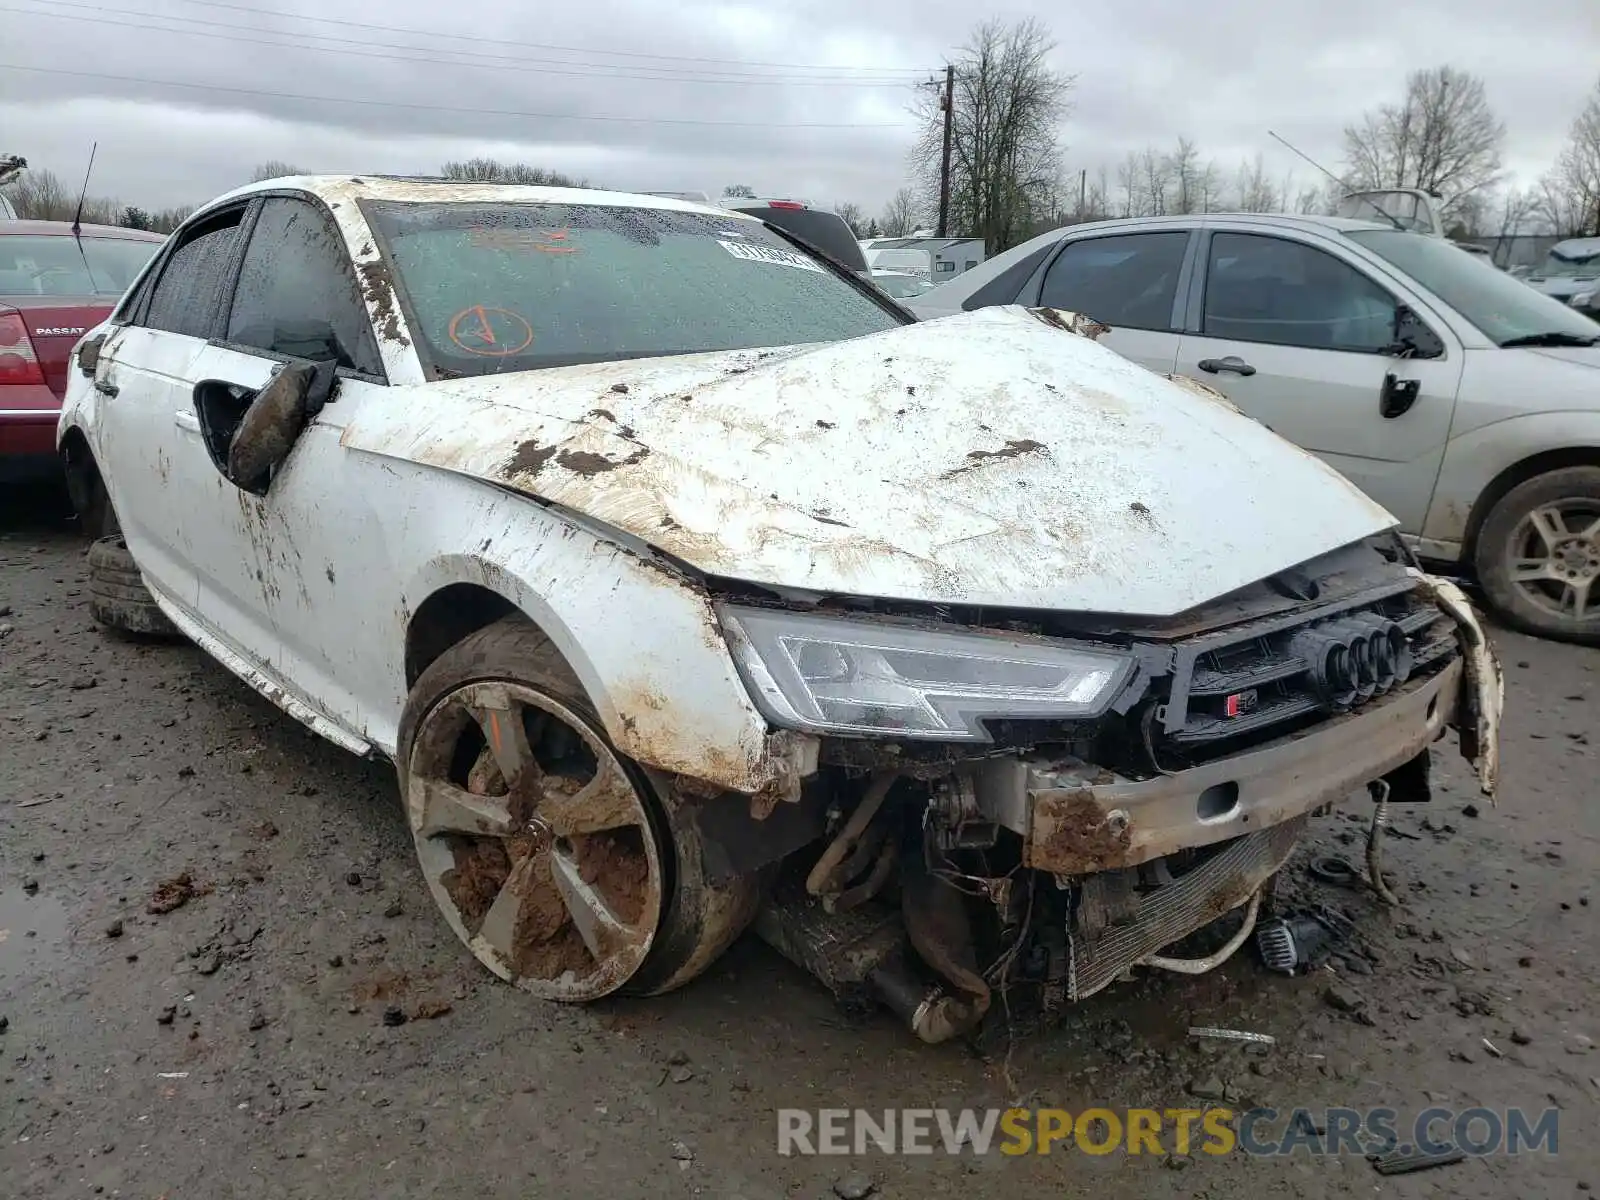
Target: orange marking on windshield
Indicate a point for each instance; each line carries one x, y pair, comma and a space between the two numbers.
489, 331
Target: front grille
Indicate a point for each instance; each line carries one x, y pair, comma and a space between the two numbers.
1259, 679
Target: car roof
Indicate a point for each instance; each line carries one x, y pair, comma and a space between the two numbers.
1312, 221
412, 189
64, 229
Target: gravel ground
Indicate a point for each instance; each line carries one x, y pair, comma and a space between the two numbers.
244, 1043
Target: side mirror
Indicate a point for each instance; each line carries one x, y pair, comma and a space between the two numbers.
1412, 337
267, 431
89, 354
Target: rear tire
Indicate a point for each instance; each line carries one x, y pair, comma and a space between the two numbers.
1538, 555
118, 598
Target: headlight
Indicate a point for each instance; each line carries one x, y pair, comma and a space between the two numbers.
838, 675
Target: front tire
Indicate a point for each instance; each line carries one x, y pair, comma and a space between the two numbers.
553, 857
1538, 555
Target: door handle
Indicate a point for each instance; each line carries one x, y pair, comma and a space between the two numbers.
1232, 363
106, 387
184, 419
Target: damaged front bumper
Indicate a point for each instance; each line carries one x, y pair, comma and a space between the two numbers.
1076, 819
1232, 823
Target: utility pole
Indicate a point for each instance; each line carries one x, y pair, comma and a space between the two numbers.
949, 106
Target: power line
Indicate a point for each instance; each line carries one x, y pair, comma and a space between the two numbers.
515, 63
256, 10
482, 112
544, 66
522, 64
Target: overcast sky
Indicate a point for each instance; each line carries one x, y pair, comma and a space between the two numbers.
808, 97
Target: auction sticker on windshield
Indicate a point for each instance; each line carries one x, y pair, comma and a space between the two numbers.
770, 255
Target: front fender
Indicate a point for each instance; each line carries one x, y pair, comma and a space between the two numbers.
643, 641
1474, 460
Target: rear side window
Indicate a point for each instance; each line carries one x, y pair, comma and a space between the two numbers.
186, 297
1006, 287
828, 232
1128, 281
297, 291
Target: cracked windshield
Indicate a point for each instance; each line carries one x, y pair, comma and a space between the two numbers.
516, 286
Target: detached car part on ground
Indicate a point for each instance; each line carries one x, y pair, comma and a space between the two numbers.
955, 656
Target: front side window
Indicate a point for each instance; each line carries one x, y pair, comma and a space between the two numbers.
63, 266
1286, 293
297, 291
1128, 281
1500, 306
186, 297
508, 287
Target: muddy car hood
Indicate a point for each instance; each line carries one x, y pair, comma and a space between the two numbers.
992, 458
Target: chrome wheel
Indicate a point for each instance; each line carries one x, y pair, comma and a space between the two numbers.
535, 840
1553, 557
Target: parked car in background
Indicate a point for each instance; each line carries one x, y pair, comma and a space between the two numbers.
1456, 396
53, 287
818, 227
690, 583
902, 285
11, 168
1571, 274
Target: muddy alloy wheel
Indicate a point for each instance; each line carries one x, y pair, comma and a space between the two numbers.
551, 855
1538, 554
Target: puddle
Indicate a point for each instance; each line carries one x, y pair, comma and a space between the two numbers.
33, 934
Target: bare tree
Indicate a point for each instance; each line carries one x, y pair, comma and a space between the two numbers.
1154, 179
274, 168
900, 214
739, 189
1006, 113
1569, 195
490, 170
1128, 185
852, 215
1183, 170
169, 219
1256, 192
41, 196
1443, 137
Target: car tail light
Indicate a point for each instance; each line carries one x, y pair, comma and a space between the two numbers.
784, 204
18, 362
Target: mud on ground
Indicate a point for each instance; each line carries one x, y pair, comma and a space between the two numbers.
265, 1035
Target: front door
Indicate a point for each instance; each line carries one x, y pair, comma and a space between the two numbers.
283, 577
1301, 339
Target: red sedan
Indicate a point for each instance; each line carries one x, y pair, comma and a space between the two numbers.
53, 288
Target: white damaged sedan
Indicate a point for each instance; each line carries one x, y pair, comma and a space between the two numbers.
690, 585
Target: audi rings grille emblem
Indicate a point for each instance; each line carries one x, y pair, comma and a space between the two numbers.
1353, 659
